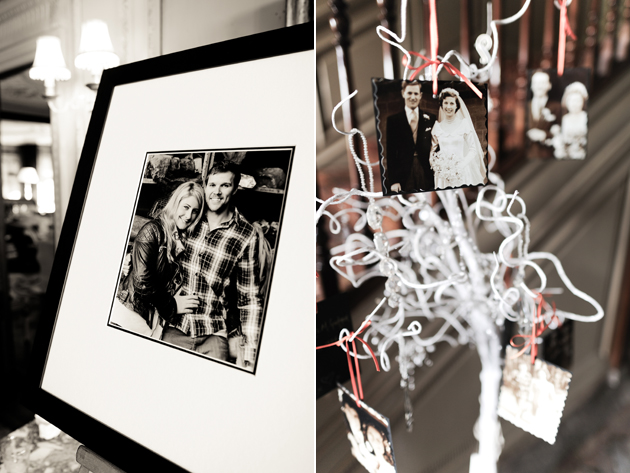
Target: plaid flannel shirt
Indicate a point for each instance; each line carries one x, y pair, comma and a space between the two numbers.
214, 261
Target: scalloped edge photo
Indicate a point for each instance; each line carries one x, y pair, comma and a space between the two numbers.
438, 157
532, 397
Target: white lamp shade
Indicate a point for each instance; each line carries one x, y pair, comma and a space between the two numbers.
28, 175
49, 63
96, 51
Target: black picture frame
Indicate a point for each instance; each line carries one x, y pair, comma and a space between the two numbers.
98, 435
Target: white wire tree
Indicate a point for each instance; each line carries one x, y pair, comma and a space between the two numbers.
433, 267
434, 270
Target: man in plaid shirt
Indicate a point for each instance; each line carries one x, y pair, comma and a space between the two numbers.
221, 268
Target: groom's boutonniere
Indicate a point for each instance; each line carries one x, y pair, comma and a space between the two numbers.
547, 115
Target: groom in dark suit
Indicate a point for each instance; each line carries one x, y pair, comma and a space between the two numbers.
409, 145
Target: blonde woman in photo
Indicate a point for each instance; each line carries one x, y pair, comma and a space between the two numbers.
147, 296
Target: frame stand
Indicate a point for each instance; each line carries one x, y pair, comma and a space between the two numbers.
92, 463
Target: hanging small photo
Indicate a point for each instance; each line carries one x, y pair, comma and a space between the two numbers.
429, 143
532, 397
557, 114
333, 315
369, 434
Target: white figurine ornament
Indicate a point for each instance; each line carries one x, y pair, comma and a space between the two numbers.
569, 140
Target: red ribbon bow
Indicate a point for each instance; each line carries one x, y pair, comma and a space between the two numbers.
433, 62
357, 388
565, 29
447, 65
538, 327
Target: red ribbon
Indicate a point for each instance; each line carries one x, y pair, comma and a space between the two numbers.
357, 387
435, 41
565, 29
447, 65
538, 327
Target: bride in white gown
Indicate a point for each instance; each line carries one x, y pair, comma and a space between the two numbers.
460, 158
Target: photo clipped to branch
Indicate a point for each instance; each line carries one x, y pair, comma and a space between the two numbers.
532, 396
429, 143
200, 252
369, 434
557, 114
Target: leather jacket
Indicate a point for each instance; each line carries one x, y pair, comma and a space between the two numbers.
151, 282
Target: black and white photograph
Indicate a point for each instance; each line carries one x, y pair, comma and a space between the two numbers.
369, 434
429, 143
199, 259
557, 114
532, 397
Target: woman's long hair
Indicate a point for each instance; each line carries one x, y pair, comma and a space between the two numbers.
167, 215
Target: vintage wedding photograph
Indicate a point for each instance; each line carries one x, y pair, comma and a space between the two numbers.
369, 434
557, 114
199, 259
429, 143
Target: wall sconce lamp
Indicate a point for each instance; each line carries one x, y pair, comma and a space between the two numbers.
49, 65
29, 177
96, 51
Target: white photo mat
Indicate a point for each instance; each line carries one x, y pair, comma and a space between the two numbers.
199, 415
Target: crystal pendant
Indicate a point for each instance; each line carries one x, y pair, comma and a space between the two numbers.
387, 267
393, 284
408, 409
393, 301
374, 216
381, 243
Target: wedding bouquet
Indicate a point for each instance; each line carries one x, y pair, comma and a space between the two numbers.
445, 165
